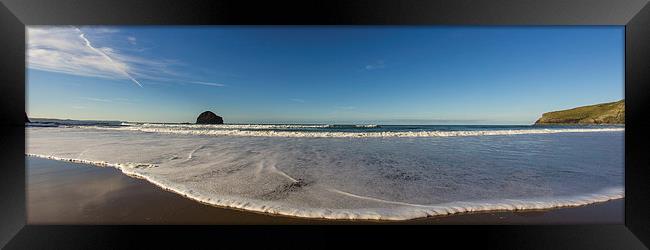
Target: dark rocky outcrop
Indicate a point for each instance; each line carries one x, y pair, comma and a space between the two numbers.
208, 117
26, 118
604, 113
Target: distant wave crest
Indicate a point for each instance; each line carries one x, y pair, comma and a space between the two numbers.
276, 131
251, 126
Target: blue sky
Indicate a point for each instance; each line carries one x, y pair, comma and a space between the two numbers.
319, 74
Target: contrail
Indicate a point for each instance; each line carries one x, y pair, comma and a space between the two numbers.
107, 57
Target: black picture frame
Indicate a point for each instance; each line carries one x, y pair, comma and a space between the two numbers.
634, 15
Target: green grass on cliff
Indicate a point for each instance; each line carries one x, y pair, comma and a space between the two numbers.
604, 113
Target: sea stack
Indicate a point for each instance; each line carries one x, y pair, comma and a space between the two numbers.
208, 117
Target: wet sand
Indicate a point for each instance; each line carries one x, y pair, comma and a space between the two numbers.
71, 193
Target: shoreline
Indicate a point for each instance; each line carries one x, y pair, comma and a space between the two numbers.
102, 184
200, 200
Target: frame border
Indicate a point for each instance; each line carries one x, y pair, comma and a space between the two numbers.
635, 15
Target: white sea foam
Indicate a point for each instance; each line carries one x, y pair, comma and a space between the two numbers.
405, 211
370, 178
251, 130
246, 126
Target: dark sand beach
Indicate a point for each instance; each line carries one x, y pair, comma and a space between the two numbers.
70, 193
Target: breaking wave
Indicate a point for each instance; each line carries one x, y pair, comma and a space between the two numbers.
277, 131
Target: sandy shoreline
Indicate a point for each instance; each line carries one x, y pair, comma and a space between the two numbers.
71, 193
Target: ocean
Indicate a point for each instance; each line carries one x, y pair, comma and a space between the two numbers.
366, 171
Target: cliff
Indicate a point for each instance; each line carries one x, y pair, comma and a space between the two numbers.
604, 113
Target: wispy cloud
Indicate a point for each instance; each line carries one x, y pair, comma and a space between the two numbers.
87, 52
297, 100
132, 40
114, 100
214, 84
376, 65
66, 50
96, 99
105, 30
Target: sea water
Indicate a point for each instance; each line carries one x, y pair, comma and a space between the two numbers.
354, 171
